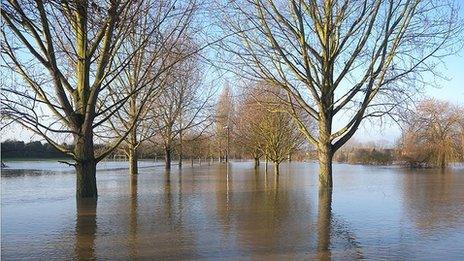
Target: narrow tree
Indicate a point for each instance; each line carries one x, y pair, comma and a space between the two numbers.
339, 61
249, 116
224, 122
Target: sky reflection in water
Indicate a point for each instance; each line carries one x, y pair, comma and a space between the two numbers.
236, 213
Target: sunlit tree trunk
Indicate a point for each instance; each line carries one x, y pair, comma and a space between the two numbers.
133, 161
86, 166
132, 152
325, 149
276, 168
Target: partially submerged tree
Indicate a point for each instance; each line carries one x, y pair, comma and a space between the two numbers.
65, 55
183, 102
249, 116
280, 137
144, 78
264, 127
432, 134
340, 61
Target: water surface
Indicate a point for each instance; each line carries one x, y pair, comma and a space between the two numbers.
235, 212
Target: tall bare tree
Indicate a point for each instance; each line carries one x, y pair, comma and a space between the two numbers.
145, 77
65, 55
183, 102
340, 61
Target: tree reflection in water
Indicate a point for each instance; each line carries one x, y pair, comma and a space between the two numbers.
324, 223
86, 228
133, 233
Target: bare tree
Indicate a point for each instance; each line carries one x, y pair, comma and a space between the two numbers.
340, 61
65, 53
432, 134
144, 78
249, 116
183, 102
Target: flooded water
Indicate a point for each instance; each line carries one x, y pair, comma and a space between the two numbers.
235, 213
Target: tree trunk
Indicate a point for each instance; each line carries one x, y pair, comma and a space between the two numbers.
276, 168
181, 144
265, 164
256, 163
167, 157
133, 161
86, 167
442, 161
86, 184
325, 155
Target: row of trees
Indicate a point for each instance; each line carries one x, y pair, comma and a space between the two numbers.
35, 149
95, 71
124, 72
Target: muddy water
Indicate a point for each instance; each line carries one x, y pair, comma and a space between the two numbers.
236, 213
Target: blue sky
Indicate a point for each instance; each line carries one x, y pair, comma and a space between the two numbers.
450, 90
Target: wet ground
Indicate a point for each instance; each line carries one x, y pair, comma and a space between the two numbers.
235, 213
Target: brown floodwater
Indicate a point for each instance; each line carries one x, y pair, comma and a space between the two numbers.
235, 213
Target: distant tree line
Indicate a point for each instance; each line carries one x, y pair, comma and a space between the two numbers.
34, 149
366, 156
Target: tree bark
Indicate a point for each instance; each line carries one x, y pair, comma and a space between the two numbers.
276, 168
265, 165
180, 149
167, 157
86, 183
256, 163
86, 167
325, 155
133, 161
324, 146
